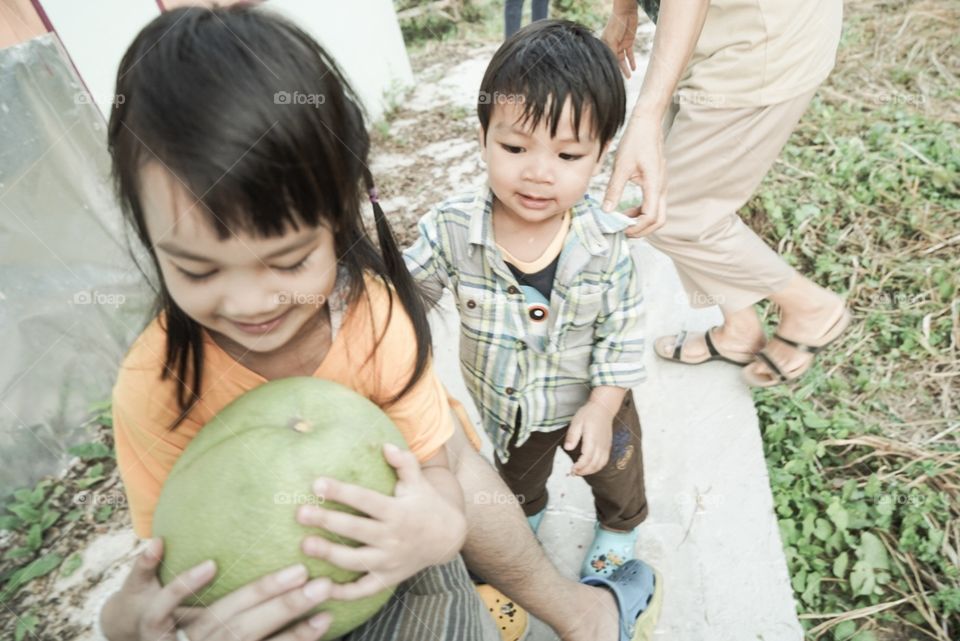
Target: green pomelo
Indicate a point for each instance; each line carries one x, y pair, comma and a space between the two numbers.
232, 496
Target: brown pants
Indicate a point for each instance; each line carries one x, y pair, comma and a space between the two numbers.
618, 492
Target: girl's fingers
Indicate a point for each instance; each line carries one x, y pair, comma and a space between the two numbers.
359, 498
182, 586
360, 559
367, 585
359, 528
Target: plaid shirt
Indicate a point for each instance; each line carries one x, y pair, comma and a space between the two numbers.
594, 336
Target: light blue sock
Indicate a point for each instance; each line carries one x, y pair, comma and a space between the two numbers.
608, 551
534, 520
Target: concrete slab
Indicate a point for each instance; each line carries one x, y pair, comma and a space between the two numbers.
711, 530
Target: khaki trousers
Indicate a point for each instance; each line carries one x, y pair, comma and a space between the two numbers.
715, 160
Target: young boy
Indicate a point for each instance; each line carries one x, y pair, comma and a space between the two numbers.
549, 299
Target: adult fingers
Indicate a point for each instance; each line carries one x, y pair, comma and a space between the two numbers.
264, 618
640, 227
185, 584
647, 223
313, 628
618, 180
144, 570
260, 591
358, 528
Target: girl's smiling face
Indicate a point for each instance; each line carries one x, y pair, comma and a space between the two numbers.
257, 292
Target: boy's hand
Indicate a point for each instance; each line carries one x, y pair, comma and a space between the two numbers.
402, 534
593, 423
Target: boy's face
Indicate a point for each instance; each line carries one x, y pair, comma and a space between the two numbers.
534, 176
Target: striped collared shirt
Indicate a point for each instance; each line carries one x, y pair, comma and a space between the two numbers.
594, 336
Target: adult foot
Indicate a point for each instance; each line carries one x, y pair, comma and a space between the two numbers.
597, 620
813, 323
738, 339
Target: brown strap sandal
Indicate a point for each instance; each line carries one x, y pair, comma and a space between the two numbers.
714, 353
779, 376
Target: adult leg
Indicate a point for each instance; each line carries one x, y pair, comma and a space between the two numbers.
512, 14
439, 603
716, 158
539, 9
501, 548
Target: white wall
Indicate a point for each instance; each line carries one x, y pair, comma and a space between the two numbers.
363, 36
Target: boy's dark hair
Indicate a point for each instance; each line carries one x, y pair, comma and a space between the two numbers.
548, 62
212, 94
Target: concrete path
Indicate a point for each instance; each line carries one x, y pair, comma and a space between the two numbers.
711, 531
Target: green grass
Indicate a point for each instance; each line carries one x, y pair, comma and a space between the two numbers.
864, 467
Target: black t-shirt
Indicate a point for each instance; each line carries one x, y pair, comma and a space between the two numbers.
542, 281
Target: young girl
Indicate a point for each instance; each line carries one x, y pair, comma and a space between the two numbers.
239, 155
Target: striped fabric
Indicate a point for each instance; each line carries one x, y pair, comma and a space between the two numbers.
594, 335
439, 603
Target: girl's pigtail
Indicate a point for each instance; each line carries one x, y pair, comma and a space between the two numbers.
406, 288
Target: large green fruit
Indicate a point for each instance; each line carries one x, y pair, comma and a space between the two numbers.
232, 496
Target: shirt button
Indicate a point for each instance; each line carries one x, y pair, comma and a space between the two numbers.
471, 303
512, 290
510, 391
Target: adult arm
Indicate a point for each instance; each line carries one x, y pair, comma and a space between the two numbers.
639, 156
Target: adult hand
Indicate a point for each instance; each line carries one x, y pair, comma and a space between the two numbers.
399, 536
143, 610
640, 159
620, 34
593, 425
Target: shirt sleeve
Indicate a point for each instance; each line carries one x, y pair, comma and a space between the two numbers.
617, 356
146, 448
426, 260
423, 413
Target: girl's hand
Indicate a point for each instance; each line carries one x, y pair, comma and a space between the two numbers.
143, 610
402, 534
620, 34
593, 425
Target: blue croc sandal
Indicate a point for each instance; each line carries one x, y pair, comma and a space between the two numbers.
534, 520
609, 551
638, 589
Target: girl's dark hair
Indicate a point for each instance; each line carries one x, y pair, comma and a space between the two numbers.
546, 62
249, 113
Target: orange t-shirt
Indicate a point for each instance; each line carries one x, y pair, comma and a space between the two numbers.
144, 406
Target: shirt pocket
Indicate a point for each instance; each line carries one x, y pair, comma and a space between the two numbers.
577, 323
477, 309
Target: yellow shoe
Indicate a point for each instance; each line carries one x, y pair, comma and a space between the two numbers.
512, 620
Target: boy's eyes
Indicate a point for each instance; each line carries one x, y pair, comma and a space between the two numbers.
512, 149
207, 275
